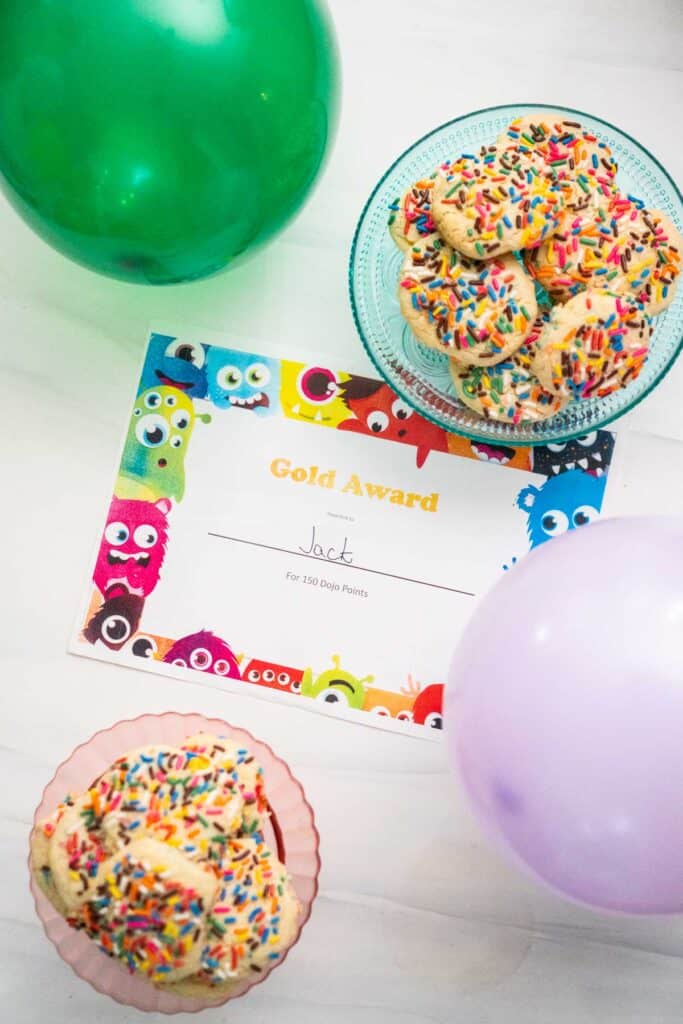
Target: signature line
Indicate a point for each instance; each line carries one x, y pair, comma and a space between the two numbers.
359, 568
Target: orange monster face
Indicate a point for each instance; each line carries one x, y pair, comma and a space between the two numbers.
275, 677
498, 454
378, 410
388, 704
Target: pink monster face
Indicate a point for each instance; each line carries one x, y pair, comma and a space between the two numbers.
132, 548
204, 652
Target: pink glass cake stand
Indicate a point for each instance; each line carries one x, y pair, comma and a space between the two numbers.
291, 832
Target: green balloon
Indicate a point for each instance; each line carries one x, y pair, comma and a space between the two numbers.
157, 140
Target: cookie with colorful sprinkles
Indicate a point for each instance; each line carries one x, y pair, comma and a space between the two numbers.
623, 247
581, 164
148, 909
496, 202
477, 312
410, 215
254, 919
593, 345
241, 766
510, 391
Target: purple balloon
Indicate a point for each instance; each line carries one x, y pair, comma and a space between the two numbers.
564, 714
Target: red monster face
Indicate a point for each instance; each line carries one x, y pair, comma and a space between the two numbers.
378, 410
275, 677
204, 652
427, 709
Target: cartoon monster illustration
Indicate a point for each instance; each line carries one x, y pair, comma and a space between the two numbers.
428, 707
239, 380
591, 452
275, 677
132, 548
486, 451
148, 645
387, 704
175, 363
335, 686
564, 502
204, 652
154, 453
115, 621
312, 394
378, 411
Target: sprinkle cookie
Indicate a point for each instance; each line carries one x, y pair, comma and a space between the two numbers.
624, 248
593, 345
508, 392
494, 203
410, 217
245, 772
476, 312
148, 909
582, 165
255, 915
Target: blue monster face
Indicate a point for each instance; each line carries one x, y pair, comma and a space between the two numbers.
564, 502
243, 381
175, 363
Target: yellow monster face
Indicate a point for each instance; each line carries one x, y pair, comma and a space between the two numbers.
312, 394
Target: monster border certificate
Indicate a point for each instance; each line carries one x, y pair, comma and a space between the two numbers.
298, 532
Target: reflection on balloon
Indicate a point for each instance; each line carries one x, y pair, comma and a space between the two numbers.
564, 714
157, 140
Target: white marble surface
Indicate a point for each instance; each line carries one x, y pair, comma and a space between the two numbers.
417, 921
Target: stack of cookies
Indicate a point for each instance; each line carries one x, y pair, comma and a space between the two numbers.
162, 862
539, 205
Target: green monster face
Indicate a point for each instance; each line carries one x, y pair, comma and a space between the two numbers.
335, 686
160, 429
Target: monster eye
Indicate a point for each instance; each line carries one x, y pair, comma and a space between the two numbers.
171, 400
116, 534
144, 647
152, 431
180, 419
283, 679
588, 440
253, 675
180, 662
229, 378
400, 410
153, 400
145, 536
221, 667
404, 716
258, 375
556, 447
187, 352
296, 686
137, 411
378, 421
268, 676
381, 711
554, 522
200, 659
176, 441
115, 629
331, 696
317, 385
434, 720
584, 514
